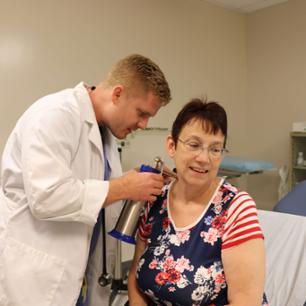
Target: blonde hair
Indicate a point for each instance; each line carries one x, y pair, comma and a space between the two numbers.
136, 70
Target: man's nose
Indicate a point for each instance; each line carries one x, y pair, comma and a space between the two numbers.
142, 124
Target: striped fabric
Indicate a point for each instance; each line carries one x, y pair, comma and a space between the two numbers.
242, 221
144, 229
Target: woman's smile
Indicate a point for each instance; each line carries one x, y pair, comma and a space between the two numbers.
199, 170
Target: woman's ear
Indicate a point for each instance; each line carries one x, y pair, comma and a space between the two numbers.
170, 146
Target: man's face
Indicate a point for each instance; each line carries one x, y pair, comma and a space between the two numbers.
132, 112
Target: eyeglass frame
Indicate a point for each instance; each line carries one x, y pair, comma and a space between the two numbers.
201, 148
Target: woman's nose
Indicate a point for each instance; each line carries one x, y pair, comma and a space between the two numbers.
203, 154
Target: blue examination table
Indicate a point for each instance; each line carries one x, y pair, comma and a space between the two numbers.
237, 166
294, 202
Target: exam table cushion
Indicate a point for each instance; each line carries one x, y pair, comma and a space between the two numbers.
245, 165
294, 202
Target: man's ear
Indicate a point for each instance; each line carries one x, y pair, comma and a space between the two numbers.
117, 93
170, 146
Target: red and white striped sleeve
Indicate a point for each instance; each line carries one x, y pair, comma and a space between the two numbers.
144, 229
242, 221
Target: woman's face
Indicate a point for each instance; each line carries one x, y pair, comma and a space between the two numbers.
196, 154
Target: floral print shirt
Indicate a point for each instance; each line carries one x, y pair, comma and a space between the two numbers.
183, 266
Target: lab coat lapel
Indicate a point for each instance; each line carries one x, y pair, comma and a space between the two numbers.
89, 116
113, 154
94, 133
94, 137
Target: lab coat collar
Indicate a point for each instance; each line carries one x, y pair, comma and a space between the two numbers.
88, 115
94, 135
111, 150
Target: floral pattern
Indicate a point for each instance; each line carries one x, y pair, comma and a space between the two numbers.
184, 267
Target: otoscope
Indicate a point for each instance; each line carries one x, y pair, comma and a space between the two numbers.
126, 226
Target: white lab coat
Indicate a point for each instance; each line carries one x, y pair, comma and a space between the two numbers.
52, 192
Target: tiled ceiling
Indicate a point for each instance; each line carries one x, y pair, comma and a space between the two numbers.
245, 6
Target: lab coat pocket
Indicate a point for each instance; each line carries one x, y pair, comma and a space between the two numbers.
29, 276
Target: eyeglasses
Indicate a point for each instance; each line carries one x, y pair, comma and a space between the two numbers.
214, 152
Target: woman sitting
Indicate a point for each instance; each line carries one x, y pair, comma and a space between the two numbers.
200, 243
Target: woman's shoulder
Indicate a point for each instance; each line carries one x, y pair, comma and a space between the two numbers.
233, 197
236, 192
227, 187
238, 201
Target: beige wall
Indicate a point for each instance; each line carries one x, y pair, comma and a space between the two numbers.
276, 92
254, 64
47, 46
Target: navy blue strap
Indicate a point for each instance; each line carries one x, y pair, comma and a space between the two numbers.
97, 228
83, 300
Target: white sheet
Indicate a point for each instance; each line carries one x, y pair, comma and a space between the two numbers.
285, 241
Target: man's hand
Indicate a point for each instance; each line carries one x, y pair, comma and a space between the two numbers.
142, 186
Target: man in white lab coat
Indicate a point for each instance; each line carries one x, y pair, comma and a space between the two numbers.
54, 186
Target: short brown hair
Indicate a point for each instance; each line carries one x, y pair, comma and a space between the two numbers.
137, 69
211, 114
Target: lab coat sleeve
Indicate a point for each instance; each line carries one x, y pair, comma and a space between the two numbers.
50, 140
